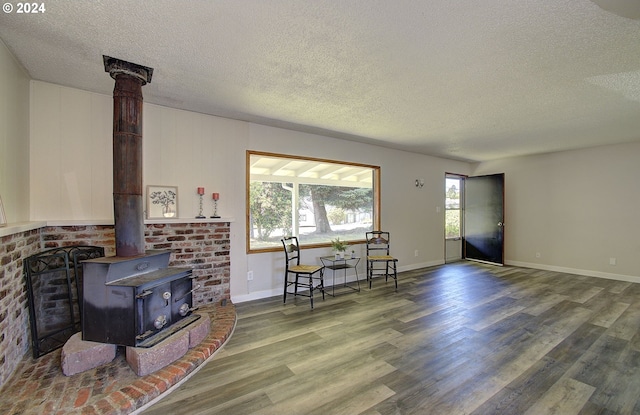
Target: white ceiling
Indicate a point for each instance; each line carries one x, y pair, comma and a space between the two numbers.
464, 79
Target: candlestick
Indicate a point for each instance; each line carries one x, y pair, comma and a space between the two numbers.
200, 194
215, 197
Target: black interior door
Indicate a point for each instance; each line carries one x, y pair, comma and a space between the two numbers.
483, 218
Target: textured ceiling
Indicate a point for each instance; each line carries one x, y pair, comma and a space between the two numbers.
471, 80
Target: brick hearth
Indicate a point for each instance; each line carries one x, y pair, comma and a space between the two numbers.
203, 246
38, 386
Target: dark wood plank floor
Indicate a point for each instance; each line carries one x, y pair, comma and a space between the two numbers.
462, 338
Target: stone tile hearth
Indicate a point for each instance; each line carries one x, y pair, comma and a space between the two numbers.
38, 386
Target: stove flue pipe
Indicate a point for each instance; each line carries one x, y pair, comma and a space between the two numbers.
127, 154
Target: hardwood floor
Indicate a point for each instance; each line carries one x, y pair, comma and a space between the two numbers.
461, 338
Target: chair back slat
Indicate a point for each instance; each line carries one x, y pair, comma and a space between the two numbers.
378, 241
291, 250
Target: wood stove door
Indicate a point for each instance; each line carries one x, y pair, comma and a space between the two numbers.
154, 309
182, 299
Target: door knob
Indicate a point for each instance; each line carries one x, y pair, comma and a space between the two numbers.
500, 224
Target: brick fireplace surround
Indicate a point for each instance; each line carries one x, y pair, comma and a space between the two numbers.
200, 245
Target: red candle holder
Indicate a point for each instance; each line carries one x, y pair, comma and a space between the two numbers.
215, 197
200, 194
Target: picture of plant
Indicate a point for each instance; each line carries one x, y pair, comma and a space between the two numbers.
162, 202
165, 198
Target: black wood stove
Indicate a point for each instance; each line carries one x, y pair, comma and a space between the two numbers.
135, 301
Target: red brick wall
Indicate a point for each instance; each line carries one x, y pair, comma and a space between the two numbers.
203, 247
98, 235
15, 339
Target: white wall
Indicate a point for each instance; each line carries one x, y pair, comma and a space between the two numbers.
14, 138
71, 154
188, 150
577, 209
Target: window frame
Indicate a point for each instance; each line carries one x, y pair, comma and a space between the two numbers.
375, 185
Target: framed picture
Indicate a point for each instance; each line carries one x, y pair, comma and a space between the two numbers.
162, 202
3, 218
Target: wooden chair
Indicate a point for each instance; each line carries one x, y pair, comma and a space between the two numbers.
309, 277
379, 261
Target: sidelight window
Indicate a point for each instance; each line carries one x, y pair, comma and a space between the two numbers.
453, 210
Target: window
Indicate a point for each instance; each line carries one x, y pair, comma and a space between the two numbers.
316, 200
452, 212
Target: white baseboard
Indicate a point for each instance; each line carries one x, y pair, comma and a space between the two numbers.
421, 265
585, 272
256, 295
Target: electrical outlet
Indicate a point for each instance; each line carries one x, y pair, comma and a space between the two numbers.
538, 255
415, 253
612, 261
250, 276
